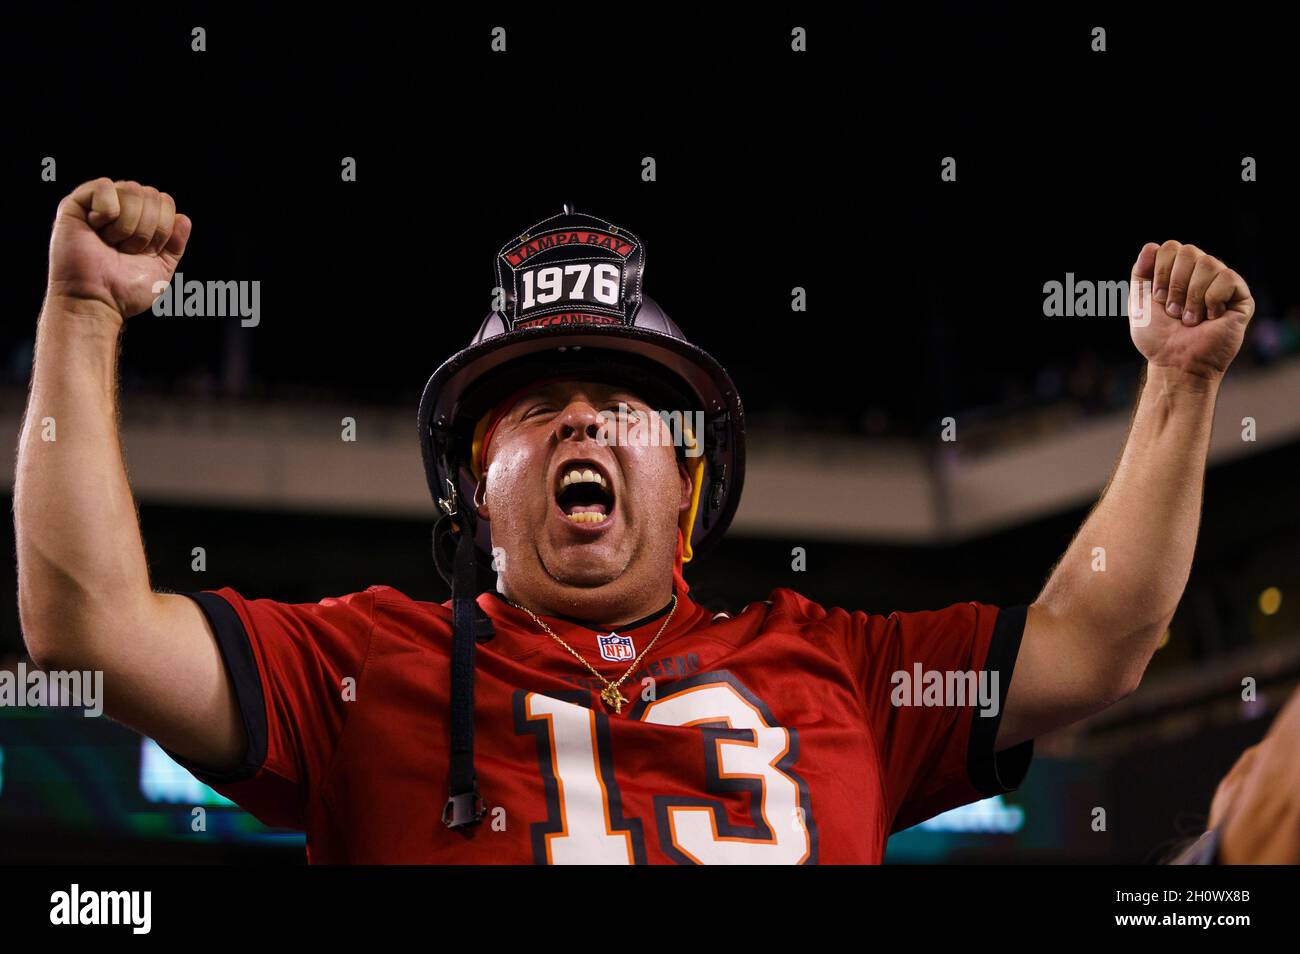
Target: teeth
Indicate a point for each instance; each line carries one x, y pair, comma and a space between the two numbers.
589, 516
576, 476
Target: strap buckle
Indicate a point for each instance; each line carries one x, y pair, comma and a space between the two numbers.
449, 502
467, 808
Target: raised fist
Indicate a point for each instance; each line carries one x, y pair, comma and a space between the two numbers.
1187, 310
112, 242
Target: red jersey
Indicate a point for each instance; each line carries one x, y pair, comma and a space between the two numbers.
768, 737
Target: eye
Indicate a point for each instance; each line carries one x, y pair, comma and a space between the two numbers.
537, 409
625, 413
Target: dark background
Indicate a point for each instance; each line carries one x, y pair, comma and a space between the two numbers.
819, 170
774, 170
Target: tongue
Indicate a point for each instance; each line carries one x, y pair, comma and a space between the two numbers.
587, 508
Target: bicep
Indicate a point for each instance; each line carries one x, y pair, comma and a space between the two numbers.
167, 680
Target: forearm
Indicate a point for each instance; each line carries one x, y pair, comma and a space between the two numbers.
1142, 531
81, 565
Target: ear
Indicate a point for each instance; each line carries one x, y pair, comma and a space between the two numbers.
684, 478
480, 499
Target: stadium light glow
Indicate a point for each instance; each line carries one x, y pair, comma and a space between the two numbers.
162, 780
990, 816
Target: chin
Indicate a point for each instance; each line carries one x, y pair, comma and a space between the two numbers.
587, 578
570, 566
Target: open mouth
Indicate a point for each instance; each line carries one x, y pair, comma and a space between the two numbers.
584, 493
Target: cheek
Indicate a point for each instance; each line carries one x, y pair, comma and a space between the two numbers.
651, 474
514, 477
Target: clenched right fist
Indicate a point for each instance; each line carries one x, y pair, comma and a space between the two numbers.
112, 242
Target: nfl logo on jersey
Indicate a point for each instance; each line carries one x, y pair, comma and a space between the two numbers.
616, 648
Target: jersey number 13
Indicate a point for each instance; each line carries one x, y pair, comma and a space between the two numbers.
744, 752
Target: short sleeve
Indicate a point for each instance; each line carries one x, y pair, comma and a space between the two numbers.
287, 663
934, 686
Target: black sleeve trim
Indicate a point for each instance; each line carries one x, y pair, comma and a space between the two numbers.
241, 665
993, 773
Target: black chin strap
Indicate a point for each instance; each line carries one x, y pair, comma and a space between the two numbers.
465, 806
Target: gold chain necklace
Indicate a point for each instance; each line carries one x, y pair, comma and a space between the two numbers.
610, 694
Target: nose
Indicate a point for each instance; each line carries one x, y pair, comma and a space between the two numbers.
577, 421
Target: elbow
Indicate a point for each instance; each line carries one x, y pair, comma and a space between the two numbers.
33, 628
1125, 678
1126, 686
44, 600
1099, 693
39, 639
53, 651
50, 635
41, 652
1109, 680
70, 629
42, 659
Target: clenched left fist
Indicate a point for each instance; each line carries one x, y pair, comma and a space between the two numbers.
1187, 310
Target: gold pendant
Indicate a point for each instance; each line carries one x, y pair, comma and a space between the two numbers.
613, 698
